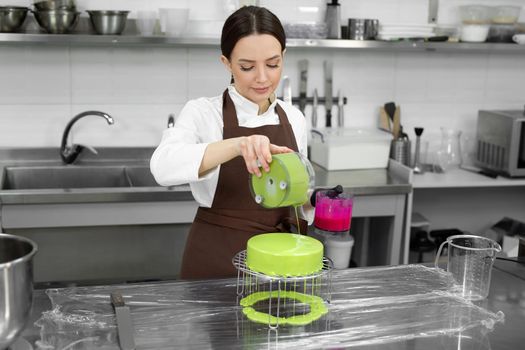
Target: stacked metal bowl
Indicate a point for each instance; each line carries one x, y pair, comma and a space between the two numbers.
56, 16
12, 18
108, 22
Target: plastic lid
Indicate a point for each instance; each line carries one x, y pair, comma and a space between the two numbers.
343, 135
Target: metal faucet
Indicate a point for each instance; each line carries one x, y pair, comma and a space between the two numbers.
70, 153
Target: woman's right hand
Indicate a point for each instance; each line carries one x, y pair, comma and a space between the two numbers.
257, 152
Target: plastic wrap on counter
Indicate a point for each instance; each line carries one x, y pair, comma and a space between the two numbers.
368, 306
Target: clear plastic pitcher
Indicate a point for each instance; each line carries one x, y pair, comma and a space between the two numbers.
470, 260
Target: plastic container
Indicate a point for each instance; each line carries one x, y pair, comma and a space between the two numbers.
146, 21
475, 14
173, 21
333, 216
505, 14
343, 149
449, 154
289, 182
337, 247
501, 33
470, 260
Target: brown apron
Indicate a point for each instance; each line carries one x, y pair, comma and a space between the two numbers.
220, 232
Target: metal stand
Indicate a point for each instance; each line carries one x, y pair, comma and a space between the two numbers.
317, 284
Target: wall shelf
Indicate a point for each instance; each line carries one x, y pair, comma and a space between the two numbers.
103, 40
132, 40
456, 178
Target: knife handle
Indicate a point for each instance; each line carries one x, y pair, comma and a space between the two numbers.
302, 102
314, 110
328, 118
340, 116
397, 123
116, 299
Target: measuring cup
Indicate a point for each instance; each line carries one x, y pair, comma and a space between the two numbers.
470, 260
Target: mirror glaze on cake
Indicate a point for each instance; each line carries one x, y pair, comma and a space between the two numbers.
284, 254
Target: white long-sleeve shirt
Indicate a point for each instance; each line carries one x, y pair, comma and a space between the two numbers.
179, 155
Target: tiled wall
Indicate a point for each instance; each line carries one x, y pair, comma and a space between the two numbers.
44, 86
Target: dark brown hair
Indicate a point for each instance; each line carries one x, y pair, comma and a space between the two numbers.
250, 20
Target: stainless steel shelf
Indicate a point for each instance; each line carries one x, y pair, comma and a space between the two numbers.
127, 40
411, 46
103, 40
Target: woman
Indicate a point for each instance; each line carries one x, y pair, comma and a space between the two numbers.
217, 142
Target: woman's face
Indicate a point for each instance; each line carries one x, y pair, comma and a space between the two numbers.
256, 65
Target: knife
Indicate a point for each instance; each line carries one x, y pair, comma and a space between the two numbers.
314, 109
125, 329
433, 6
397, 122
287, 90
328, 66
303, 68
340, 110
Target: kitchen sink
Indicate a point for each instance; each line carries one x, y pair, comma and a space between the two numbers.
140, 176
71, 176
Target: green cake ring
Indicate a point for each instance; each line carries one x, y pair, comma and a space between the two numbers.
284, 254
316, 304
287, 183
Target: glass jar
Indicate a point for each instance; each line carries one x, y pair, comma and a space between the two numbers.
450, 150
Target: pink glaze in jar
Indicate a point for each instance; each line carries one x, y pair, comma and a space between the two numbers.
333, 211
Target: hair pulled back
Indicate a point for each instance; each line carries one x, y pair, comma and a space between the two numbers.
250, 20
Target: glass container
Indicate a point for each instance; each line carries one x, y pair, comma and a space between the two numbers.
470, 260
505, 14
475, 14
450, 151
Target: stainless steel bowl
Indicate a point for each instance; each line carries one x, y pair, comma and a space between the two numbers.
12, 18
46, 5
108, 22
57, 21
16, 286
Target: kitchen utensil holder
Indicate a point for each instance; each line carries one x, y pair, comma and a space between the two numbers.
279, 288
400, 151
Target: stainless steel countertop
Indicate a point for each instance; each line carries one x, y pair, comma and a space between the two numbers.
358, 182
362, 182
507, 294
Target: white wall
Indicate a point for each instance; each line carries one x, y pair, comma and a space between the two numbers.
44, 86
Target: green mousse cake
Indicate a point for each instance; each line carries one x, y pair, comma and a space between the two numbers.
284, 254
